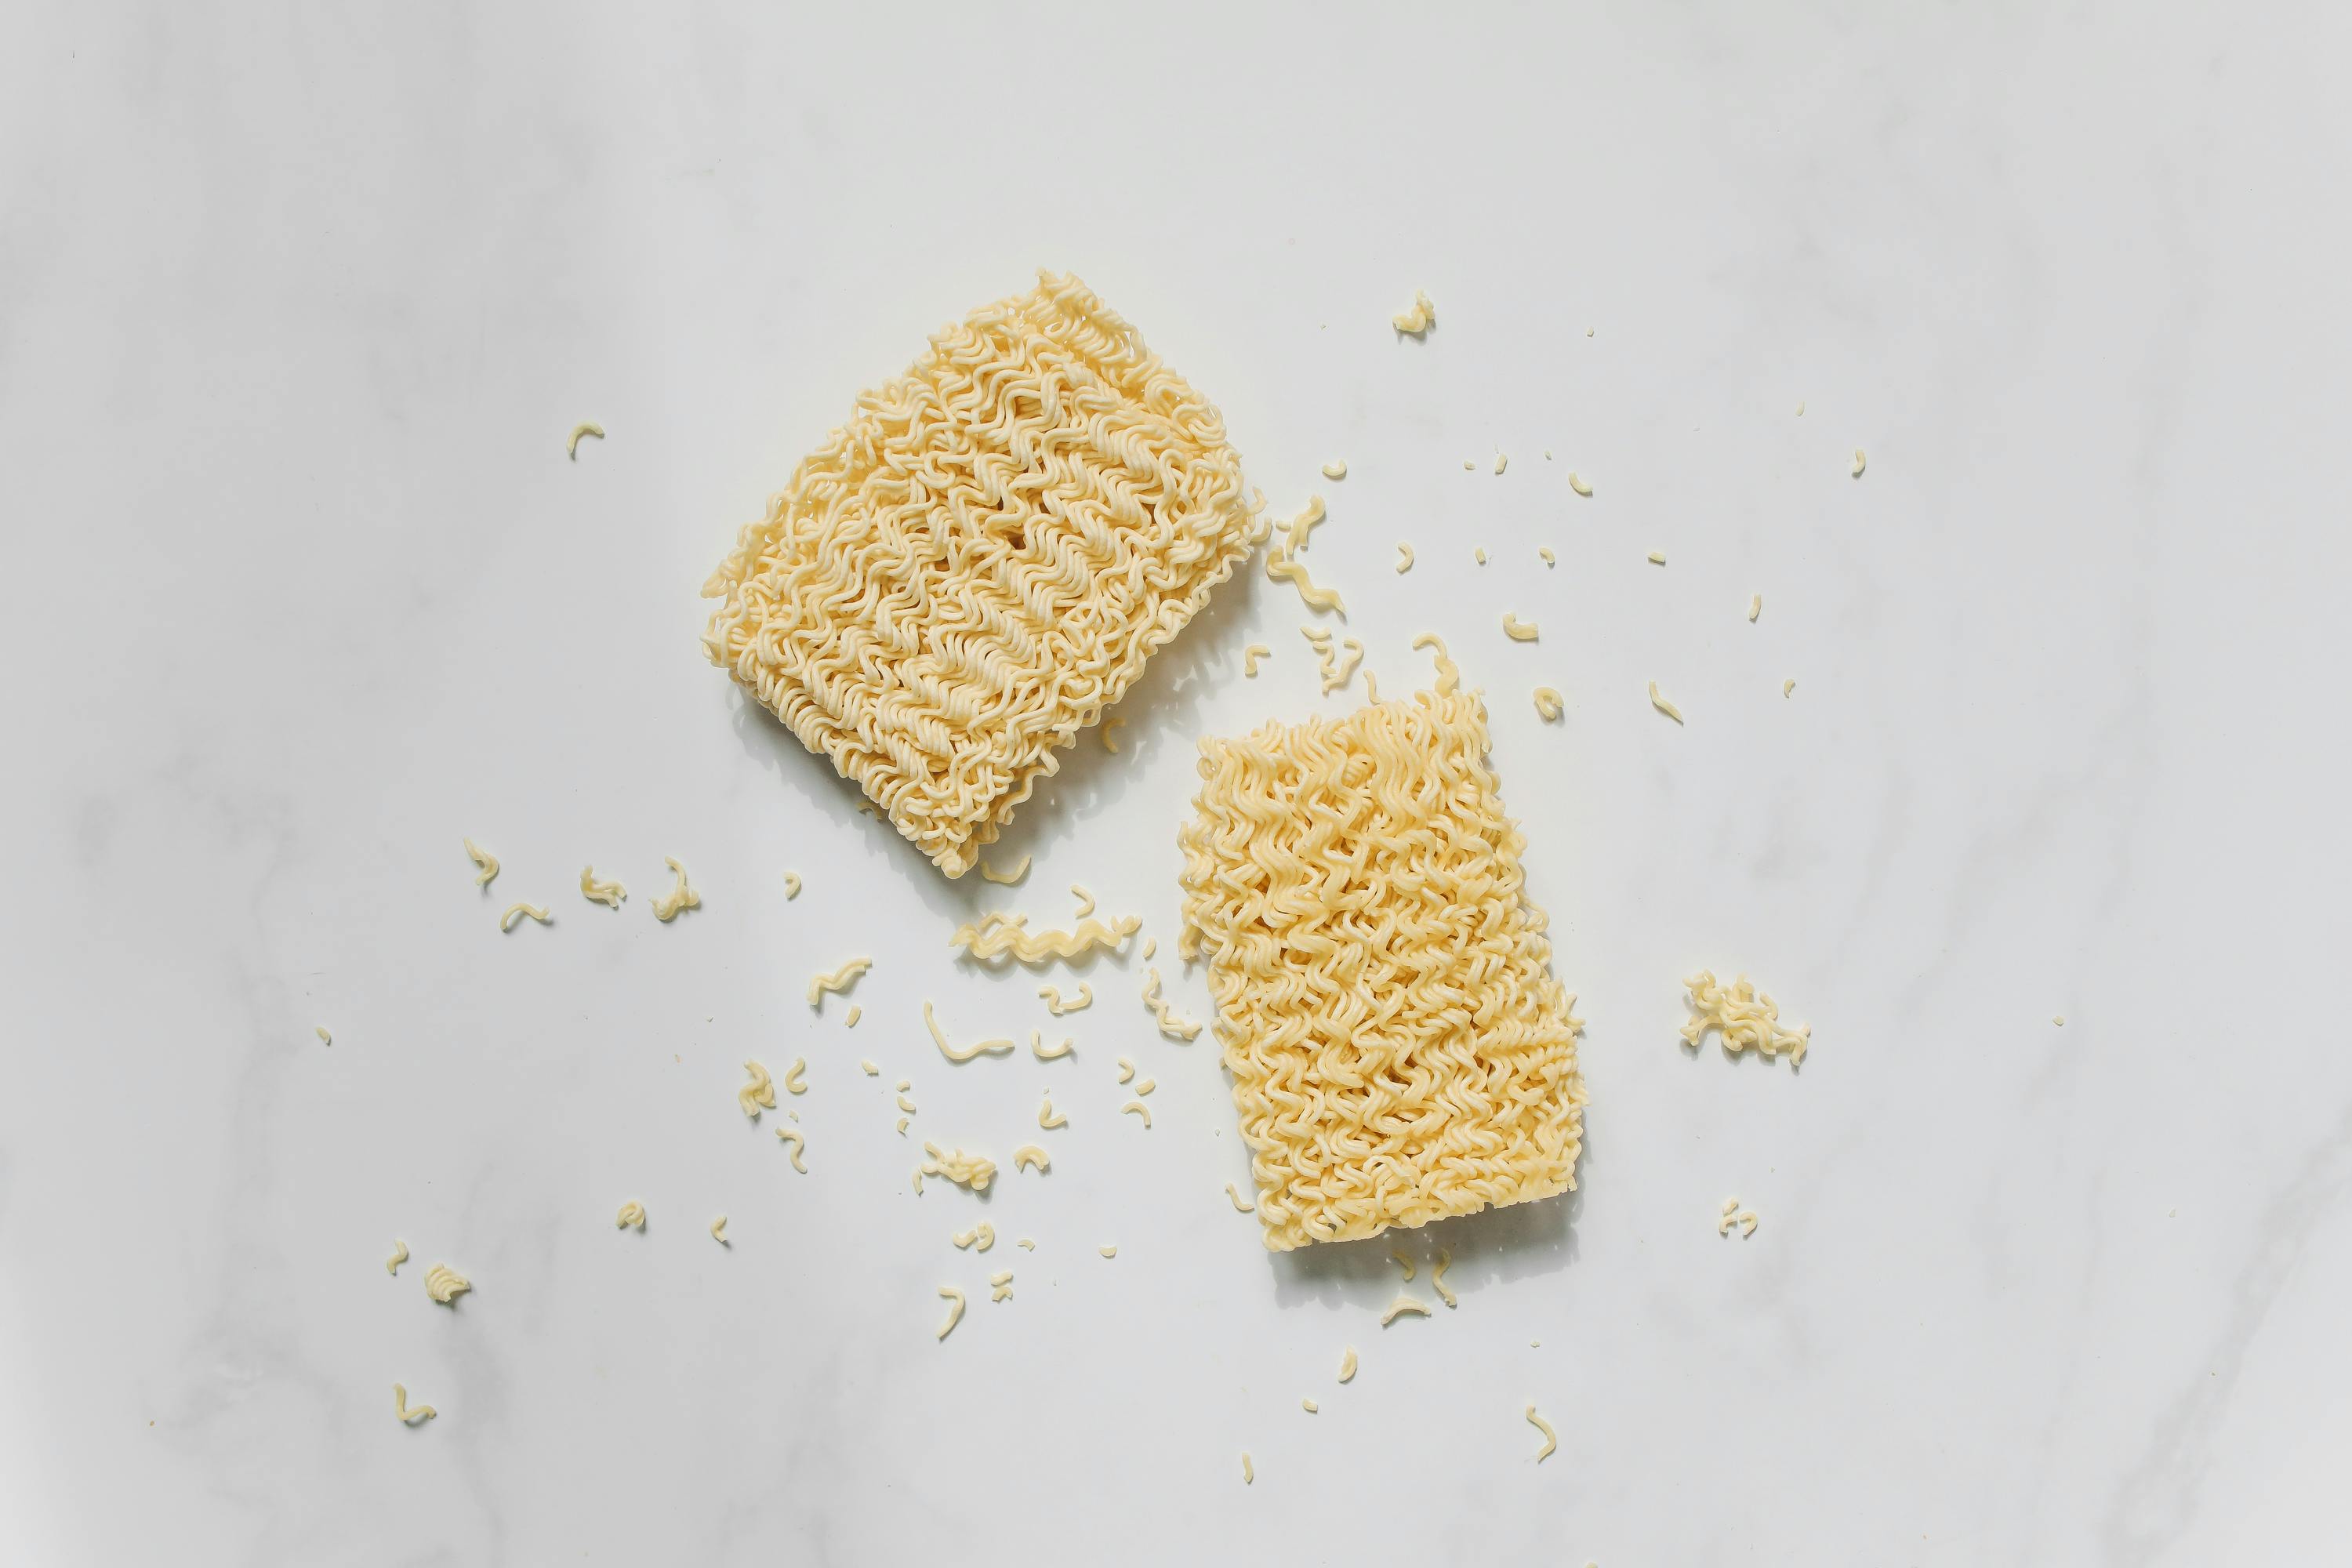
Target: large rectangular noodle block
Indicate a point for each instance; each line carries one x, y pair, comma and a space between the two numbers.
978, 564
1399, 1049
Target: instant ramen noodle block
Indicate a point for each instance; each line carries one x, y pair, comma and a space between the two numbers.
1399, 1049
977, 564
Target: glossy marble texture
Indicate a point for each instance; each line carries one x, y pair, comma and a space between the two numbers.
297, 589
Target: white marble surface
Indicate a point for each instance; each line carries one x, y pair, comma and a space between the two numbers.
297, 588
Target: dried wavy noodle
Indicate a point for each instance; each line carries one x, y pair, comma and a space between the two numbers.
1400, 1049
976, 565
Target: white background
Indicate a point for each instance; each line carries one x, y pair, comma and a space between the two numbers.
297, 306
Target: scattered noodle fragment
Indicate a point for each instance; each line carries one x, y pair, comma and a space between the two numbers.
982, 1235
1347, 1364
1026, 1245
1404, 558
409, 1415
1248, 1475
600, 890
1031, 1156
905, 1105
1402, 1261
1787, 687
1418, 320
1579, 485
668, 906
1755, 606
1110, 744
1146, 1087
1240, 1203
867, 1063
839, 981
1479, 555
955, 1298
1251, 655
1126, 1069
1111, 1251
849, 1019
1152, 943
792, 1081
1058, 1006
1336, 469
989, 873
1663, 706
513, 917
1400, 1307
399, 1256
1860, 462
631, 1217
1548, 558
1309, 1406
965, 1170
1001, 1285
1037, 1046
586, 427
485, 863
1328, 867
998, 935
1170, 1025
1657, 558
901, 1128
1136, 1108
1437, 1277
1295, 533
1551, 1439
1517, 629
1502, 461
324, 1038
791, 885
981, 1047
1548, 703
791, 1136
760, 1092
1086, 900
1282, 569
445, 1284
1048, 1117
719, 1231
1745, 1017
1449, 674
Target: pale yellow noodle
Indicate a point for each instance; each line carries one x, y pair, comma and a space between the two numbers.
1580, 486
1663, 706
978, 563
668, 906
758, 1093
1031, 1156
1437, 1279
1336, 469
791, 885
1399, 1049
586, 427
998, 935
631, 1216
1251, 655
485, 865
1755, 606
599, 890
324, 1038
1136, 1108
1418, 320
792, 1081
965, 1170
1249, 1474
1037, 1045
1347, 1364
1240, 1203
1172, 1025
839, 981
955, 1310
409, 1415
399, 1256
1125, 1070
1400, 1307
1517, 629
719, 1231
1146, 1087
982, 1047
1549, 703
1402, 1261
1657, 558
445, 1284
1745, 1018
515, 914
1550, 1437
1404, 558
1110, 744
789, 1135
1860, 462
1056, 1005
1048, 1117
1001, 1285
1086, 900
989, 873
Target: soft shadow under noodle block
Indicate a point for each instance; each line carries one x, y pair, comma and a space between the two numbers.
978, 564
1400, 1049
